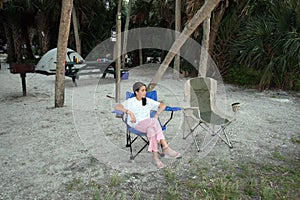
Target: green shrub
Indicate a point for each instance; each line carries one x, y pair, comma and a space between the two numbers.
243, 76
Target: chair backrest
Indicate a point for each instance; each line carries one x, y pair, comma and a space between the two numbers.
152, 95
200, 92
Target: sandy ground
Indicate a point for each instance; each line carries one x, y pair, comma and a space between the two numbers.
43, 148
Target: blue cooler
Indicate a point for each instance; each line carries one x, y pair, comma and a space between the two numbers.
124, 75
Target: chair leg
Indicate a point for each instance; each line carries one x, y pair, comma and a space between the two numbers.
210, 130
191, 132
217, 134
132, 157
226, 139
128, 140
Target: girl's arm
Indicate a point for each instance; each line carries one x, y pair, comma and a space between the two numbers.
124, 110
161, 108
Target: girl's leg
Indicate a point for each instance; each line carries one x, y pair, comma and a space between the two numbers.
152, 127
154, 133
158, 163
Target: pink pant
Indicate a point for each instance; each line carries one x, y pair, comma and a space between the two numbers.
152, 127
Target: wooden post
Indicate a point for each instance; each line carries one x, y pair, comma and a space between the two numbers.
118, 47
23, 77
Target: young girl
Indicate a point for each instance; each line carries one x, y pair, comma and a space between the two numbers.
138, 109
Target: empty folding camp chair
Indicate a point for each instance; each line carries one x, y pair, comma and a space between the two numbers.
132, 135
203, 112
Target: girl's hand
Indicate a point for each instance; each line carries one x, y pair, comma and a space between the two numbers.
132, 116
156, 116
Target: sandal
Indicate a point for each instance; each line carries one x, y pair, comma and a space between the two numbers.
170, 153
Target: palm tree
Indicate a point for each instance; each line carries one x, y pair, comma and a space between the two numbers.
140, 18
30, 18
271, 45
47, 13
15, 15
95, 21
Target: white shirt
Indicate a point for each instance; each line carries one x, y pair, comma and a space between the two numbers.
140, 112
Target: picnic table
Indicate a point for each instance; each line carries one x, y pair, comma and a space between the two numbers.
70, 71
111, 69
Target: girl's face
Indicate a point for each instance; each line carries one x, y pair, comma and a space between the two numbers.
141, 93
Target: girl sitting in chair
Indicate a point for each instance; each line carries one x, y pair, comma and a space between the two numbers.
138, 109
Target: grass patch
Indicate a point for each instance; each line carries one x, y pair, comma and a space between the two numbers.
245, 181
278, 156
115, 180
75, 184
279, 179
295, 140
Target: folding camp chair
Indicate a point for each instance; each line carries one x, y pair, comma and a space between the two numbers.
203, 112
137, 134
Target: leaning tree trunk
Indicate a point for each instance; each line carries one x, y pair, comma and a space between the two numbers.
204, 48
62, 43
198, 18
177, 28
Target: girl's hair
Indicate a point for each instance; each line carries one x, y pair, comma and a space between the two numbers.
136, 86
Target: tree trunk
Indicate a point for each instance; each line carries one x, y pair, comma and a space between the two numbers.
62, 43
140, 49
43, 31
204, 48
11, 56
17, 36
215, 25
198, 18
31, 33
177, 28
76, 31
119, 46
126, 30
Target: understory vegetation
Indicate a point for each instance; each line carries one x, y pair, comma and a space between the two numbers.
255, 43
278, 179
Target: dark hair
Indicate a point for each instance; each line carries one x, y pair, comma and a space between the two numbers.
136, 86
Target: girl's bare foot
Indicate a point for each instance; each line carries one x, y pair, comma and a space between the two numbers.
158, 163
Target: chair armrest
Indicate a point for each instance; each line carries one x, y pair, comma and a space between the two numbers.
171, 109
191, 108
119, 113
189, 112
168, 108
